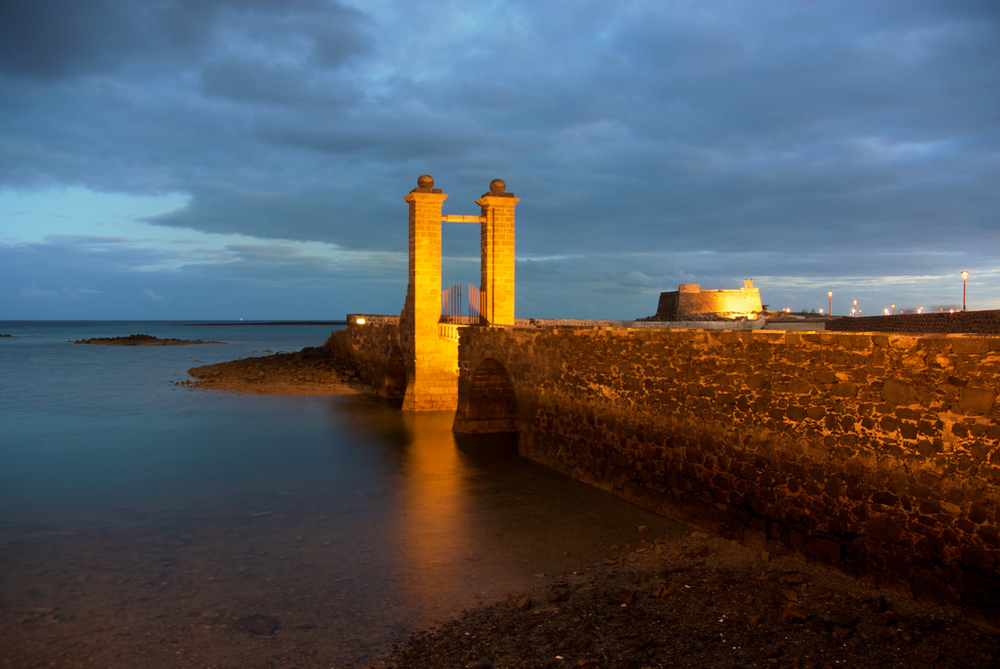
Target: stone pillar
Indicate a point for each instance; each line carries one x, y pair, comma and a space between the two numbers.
432, 365
497, 250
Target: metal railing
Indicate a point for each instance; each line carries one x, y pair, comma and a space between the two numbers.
455, 309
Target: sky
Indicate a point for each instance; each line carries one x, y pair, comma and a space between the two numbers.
226, 159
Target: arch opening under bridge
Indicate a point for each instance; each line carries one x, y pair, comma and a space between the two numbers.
490, 405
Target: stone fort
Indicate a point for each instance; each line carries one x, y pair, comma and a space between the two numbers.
873, 454
690, 302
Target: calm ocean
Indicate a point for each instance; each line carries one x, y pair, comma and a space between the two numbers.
140, 519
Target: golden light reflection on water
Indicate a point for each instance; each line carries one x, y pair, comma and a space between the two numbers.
434, 521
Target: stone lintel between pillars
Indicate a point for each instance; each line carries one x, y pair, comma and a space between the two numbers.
460, 218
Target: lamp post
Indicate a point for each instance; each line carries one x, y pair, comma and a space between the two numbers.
894, 310
829, 295
855, 309
965, 282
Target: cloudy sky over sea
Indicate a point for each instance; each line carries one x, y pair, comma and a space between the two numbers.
248, 158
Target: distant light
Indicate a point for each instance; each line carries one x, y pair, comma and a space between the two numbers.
821, 311
965, 283
360, 321
886, 311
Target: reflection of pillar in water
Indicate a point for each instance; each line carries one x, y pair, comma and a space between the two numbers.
433, 525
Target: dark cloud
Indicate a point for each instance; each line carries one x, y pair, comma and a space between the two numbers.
650, 142
65, 38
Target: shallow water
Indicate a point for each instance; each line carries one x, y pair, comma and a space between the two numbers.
139, 516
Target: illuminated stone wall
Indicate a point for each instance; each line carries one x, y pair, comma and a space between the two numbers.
432, 383
878, 455
986, 322
369, 346
497, 254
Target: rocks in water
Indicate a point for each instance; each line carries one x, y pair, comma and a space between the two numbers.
257, 624
141, 340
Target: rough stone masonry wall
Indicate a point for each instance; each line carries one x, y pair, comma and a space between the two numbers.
876, 454
985, 322
368, 346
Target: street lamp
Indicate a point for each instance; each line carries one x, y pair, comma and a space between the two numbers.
894, 310
829, 294
855, 307
965, 281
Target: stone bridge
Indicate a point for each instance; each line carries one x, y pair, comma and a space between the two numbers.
877, 455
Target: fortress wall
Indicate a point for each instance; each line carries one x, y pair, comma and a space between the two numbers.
743, 300
878, 455
689, 300
986, 322
368, 346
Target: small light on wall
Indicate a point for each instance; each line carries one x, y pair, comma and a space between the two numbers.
360, 320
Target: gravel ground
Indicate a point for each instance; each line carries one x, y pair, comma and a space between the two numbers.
701, 601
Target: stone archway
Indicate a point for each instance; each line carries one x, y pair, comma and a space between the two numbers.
490, 405
395, 375
432, 356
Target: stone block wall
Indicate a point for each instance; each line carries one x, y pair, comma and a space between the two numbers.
369, 346
878, 455
986, 322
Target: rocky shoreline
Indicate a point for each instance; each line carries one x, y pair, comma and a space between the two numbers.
702, 602
311, 371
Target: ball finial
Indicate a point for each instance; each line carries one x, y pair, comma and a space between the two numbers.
425, 181
498, 187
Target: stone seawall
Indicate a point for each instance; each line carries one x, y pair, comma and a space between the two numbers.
986, 322
373, 349
878, 455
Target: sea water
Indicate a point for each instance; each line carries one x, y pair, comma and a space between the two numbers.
129, 501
